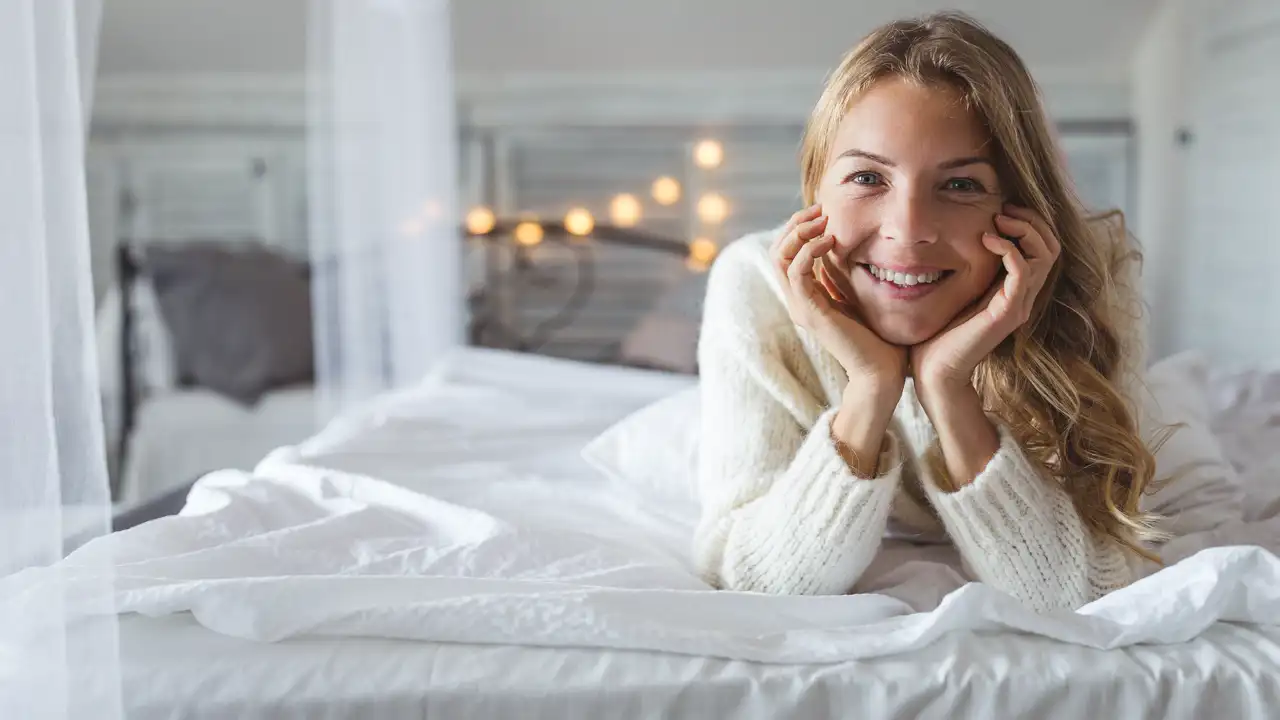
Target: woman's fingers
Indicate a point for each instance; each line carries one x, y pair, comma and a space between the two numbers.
803, 281
1030, 242
793, 242
1044, 234
805, 215
1019, 283
801, 267
824, 279
810, 213
1039, 223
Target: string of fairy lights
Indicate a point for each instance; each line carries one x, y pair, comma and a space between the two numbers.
626, 211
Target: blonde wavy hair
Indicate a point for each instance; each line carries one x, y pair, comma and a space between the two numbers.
1057, 381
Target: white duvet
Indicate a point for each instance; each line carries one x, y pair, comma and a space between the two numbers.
460, 511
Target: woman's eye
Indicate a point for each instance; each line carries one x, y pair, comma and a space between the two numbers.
964, 185
863, 178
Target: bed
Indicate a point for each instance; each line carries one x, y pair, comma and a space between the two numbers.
164, 429
606, 299
447, 551
395, 565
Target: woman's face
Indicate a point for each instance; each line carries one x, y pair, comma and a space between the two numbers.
909, 188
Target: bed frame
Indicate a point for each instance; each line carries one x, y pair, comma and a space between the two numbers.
505, 263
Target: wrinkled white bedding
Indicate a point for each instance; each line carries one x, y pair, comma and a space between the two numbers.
460, 511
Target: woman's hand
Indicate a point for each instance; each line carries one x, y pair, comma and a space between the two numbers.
950, 357
943, 366
876, 369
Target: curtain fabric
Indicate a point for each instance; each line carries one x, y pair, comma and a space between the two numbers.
382, 195
53, 481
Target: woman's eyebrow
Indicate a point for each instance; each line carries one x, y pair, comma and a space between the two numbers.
961, 162
945, 165
855, 152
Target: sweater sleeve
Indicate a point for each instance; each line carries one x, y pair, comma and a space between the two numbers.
781, 511
1017, 530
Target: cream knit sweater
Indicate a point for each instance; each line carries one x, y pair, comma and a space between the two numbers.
781, 512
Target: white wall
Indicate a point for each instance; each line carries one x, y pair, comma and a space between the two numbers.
1161, 110
1209, 209
678, 36
555, 62
495, 38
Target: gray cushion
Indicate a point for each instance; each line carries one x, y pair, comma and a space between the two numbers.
239, 315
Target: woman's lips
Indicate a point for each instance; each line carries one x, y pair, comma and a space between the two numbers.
895, 291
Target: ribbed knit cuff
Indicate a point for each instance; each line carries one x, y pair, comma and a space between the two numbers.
1016, 529
825, 523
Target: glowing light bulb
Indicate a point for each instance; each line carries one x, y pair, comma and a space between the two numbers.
713, 208
480, 221
625, 210
528, 233
666, 190
579, 222
708, 154
703, 250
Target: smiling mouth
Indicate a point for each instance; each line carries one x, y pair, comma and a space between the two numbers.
906, 280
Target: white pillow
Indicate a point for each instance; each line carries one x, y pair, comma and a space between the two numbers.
654, 450
1201, 491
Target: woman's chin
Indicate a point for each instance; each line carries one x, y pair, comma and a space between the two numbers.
905, 334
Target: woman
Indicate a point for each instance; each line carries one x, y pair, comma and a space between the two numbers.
938, 343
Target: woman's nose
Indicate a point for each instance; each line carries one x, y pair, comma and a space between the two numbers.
910, 219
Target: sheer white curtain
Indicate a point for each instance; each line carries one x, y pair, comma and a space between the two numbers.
53, 480
382, 142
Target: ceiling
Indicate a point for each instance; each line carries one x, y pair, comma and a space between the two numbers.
493, 38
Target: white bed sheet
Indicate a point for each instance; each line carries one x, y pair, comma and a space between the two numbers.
174, 667
180, 435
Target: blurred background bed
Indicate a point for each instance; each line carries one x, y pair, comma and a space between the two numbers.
182, 396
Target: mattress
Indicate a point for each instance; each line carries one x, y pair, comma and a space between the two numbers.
174, 668
502, 433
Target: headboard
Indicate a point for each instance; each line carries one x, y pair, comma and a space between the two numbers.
621, 268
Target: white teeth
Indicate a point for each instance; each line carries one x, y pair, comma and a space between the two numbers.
904, 279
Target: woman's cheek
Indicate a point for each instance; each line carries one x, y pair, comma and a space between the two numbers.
847, 222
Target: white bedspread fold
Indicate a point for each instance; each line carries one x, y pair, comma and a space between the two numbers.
308, 551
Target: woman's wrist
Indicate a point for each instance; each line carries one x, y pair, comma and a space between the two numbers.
860, 426
966, 437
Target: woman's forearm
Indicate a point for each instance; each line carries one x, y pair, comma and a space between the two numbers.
966, 436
